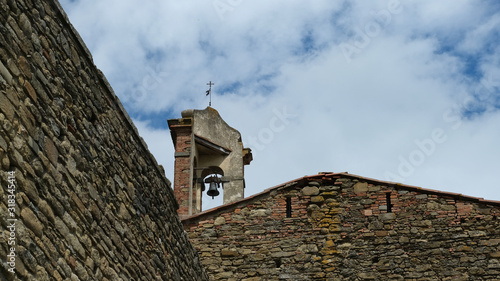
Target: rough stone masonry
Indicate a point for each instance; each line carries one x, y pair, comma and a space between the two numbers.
345, 227
86, 198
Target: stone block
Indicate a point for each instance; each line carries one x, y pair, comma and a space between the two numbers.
314, 183
209, 233
308, 248
317, 199
310, 191
256, 278
31, 221
4, 72
421, 196
329, 188
495, 254
41, 274
403, 239
11, 64
6, 107
219, 221
387, 216
24, 67
123, 213
329, 194
367, 201
76, 245
259, 213
368, 275
464, 248
491, 242
313, 207
51, 151
477, 233
31, 191
46, 210
360, 187
229, 253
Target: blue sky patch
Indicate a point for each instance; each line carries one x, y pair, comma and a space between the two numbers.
229, 88
156, 120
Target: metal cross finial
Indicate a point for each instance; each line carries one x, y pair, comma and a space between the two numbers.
209, 92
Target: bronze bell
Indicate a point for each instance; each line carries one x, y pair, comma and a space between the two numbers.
213, 185
212, 190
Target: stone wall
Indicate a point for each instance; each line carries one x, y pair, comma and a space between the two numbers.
344, 227
91, 202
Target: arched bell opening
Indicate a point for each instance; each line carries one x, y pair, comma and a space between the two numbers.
212, 178
212, 182
212, 170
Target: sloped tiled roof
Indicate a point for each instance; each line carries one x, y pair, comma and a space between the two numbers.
330, 176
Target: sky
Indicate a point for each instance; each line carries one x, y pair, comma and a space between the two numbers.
404, 91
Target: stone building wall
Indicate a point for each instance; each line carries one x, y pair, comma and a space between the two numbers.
90, 201
341, 228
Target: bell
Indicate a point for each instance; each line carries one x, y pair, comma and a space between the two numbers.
212, 190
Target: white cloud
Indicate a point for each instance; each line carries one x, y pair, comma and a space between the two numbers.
362, 112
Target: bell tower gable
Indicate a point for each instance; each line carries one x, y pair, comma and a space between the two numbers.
207, 151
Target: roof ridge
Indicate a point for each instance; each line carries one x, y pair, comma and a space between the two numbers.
326, 175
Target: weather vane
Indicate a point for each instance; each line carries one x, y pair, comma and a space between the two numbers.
209, 92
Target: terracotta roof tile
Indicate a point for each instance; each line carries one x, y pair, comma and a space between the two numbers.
331, 176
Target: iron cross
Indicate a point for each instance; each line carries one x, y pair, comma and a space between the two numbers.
209, 92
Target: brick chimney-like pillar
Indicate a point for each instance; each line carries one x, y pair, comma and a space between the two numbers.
183, 170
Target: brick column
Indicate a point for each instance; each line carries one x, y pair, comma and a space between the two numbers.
182, 169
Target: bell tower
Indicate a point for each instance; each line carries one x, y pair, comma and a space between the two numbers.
207, 152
